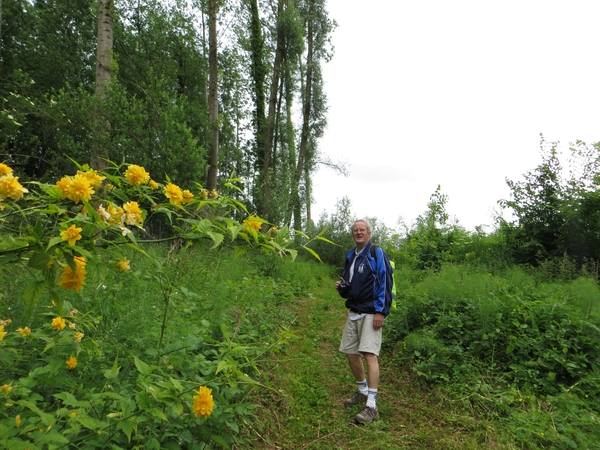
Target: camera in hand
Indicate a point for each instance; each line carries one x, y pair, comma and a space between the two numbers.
344, 289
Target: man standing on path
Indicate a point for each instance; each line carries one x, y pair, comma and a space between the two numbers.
364, 285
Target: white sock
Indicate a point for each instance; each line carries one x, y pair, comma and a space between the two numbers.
372, 398
363, 387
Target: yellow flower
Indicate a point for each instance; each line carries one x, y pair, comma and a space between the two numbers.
116, 214
4, 169
214, 193
79, 336
73, 414
133, 213
93, 177
73, 280
10, 187
6, 388
136, 175
187, 196
63, 185
173, 193
203, 402
18, 421
58, 323
2, 332
79, 189
153, 184
203, 194
123, 265
25, 331
251, 222
71, 234
72, 325
71, 363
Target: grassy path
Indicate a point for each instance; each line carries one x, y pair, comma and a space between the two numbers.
302, 406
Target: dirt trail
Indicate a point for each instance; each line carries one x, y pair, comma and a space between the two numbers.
303, 407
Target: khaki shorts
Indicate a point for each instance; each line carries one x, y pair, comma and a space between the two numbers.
360, 337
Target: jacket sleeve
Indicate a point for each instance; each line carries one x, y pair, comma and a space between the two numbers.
379, 284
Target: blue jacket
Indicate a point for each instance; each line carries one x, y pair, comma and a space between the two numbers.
367, 292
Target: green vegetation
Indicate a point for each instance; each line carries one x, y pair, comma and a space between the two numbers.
471, 360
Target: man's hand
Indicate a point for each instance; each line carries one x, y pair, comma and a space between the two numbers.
378, 321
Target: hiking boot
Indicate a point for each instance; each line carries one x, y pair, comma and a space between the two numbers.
356, 399
367, 415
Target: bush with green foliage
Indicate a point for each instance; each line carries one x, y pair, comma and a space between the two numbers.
504, 341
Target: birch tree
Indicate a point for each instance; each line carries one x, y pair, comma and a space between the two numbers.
104, 55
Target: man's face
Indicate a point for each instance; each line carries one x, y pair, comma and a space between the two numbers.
360, 234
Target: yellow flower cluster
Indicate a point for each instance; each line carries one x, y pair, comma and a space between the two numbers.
6, 388
174, 194
71, 363
203, 403
123, 265
137, 175
130, 214
9, 184
2, 332
75, 280
5, 170
58, 323
187, 197
251, 222
133, 213
71, 234
25, 331
75, 188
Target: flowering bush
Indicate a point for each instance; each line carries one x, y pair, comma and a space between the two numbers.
65, 236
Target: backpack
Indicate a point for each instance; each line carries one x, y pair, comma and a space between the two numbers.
390, 287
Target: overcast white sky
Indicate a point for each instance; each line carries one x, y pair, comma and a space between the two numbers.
454, 93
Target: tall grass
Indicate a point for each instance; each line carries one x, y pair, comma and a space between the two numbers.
510, 346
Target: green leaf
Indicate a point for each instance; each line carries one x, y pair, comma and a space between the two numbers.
320, 238
144, 401
55, 240
38, 260
141, 366
47, 419
90, 423
217, 239
311, 251
127, 426
156, 412
33, 291
5, 259
113, 372
14, 444
69, 399
38, 229
96, 272
204, 226
222, 365
219, 440
53, 436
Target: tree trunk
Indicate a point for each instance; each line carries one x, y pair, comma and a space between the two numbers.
270, 129
213, 100
104, 56
0, 30
258, 74
306, 107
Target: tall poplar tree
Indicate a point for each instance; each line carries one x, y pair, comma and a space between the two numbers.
213, 100
104, 56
